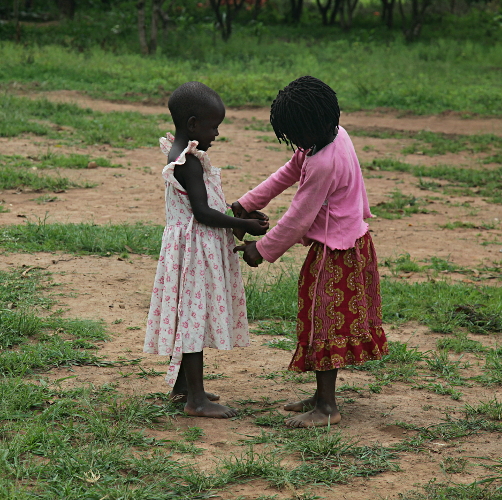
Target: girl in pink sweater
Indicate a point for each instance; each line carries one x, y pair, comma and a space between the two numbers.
339, 306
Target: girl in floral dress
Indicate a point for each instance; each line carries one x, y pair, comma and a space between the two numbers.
339, 306
198, 297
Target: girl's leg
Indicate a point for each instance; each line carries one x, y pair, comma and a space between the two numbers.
198, 404
180, 389
303, 405
325, 411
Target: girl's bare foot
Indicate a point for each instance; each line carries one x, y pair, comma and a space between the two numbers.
304, 405
181, 397
211, 410
315, 418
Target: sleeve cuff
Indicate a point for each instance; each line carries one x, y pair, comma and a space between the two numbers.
246, 204
263, 252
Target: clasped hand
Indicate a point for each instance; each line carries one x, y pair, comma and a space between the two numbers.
256, 222
251, 255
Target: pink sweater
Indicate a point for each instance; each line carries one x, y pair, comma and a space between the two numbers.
332, 177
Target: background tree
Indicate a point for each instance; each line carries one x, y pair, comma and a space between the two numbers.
347, 9
67, 8
158, 17
296, 10
224, 18
413, 16
388, 12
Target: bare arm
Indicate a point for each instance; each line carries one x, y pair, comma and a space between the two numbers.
189, 175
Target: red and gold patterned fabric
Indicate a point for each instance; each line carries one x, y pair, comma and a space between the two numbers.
347, 313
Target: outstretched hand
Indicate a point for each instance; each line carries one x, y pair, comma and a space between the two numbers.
255, 230
250, 254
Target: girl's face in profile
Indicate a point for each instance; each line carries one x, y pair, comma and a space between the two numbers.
204, 128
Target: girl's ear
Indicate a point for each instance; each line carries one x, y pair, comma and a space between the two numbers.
191, 123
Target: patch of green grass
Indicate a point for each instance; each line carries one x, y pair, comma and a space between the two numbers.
434, 143
51, 160
451, 428
491, 408
214, 376
402, 264
45, 198
270, 327
87, 443
439, 491
452, 465
400, 364
438, 264
493, 368
31, 342
193, 433
323, 446
261, 126
443, 306
285, 329
399, 205
444, 390
480, 182
497, 158
268, 298
25, 288
14, 178
440, 363
186, 448
284, 344
425, 77
469, 225
267, 138
459, 344
82, 238
73, 124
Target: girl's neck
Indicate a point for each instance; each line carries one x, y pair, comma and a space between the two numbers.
322, 144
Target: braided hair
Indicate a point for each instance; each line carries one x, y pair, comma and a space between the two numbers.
191, 99
307, 108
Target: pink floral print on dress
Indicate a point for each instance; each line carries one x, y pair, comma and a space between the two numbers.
198, 297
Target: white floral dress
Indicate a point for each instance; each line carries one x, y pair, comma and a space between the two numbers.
198, 297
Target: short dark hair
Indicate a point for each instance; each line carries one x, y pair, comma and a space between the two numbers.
191, 99
306, 105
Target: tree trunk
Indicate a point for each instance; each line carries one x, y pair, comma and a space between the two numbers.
388, 12
347, 9
351, 7
224, 21
413, 26
16, 21
257, 8
67, 8
324, 9
141, 27
296, 10
154, 26
335, 11
164, 19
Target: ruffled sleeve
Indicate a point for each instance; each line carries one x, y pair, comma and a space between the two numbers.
166, 143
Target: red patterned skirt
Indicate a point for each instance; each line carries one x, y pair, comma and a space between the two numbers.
347, 312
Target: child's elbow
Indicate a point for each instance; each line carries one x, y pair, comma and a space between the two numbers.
202, 216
